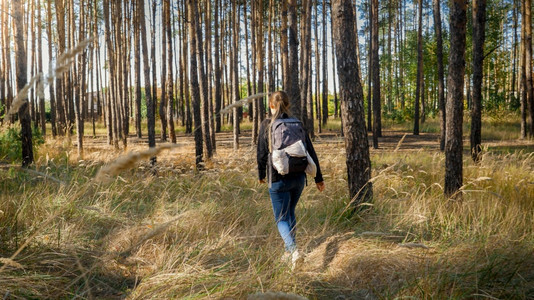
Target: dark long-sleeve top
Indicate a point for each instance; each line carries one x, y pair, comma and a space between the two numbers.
263, 156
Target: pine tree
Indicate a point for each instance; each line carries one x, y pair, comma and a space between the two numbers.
455, 96
351, 96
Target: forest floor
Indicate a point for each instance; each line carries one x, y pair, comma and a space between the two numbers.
210, 234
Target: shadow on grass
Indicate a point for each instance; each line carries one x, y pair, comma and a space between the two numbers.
48, 273
496, 272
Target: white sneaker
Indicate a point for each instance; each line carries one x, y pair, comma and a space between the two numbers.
286, 257
296, 259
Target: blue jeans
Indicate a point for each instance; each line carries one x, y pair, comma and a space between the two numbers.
285, 195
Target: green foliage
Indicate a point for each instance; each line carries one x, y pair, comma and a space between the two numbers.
399, 115
11, 143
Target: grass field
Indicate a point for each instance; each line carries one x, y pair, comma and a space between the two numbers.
188, 234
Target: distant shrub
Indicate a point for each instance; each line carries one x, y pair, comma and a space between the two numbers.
11, 143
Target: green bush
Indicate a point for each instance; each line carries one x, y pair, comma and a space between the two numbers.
11, 143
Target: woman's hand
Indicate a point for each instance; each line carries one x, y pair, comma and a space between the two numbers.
261, 181
320, 186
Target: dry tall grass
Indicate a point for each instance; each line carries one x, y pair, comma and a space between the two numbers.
210, 234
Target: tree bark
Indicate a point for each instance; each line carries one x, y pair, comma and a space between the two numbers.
151, 116
60, 86
21, 69
325, 70
318, 105
235, 71
113, 87
305, 51
209, 76
195, 89
4, 71
441, 85
42, 115
334, 63
293, 90
351, 96
217, 78
523, 78
169, 81
203, 86
512, 96
137, 71
3, 102
479, 21
163, 100
79, 85
419, 79
377, 119
455, 88
528, 64
370, 72
284, 45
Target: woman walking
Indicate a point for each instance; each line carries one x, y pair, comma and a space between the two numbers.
284, 190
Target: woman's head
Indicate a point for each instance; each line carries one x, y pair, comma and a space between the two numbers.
279, 103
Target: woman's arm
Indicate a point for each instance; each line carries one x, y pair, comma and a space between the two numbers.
313, 155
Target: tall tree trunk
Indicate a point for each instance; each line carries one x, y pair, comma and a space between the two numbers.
186, 91
528, 62
235, 71
260, 66
194, 84
441, 85
377, 119
370, 71
21, 69
3, 102
209, 76
334, 63
79, 92
203, 85
163, 100
250, 90
512, 95
151, 116
169, 81
31, 24
137, 67
217, 78
293, 90
271, 52
455, 96
419, 79
257, 45
351, 94
42, 115
317, 76
112, 71
389, 105
60, 86
401, 53
304, 65
284, 45
6, 61
325, 70
523, 77
479, 23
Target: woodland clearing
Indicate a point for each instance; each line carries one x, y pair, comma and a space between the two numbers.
210, 234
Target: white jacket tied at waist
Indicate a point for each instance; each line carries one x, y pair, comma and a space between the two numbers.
280, 158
